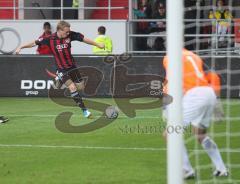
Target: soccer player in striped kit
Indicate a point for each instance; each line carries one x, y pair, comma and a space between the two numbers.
60, 45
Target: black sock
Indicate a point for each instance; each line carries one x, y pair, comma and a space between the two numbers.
78, 99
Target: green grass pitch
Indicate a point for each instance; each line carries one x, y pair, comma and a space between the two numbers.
129, 150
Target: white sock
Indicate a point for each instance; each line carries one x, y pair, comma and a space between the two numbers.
186, 163
212, 150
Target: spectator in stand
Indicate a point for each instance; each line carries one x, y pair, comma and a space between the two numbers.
144, 11
159, 27
223, 21
159, 13
44, 49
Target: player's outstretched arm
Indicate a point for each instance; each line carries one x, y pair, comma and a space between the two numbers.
91, 42
28, 45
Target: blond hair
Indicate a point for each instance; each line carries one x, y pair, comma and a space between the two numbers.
62, 24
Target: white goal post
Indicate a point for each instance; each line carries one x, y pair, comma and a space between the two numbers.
174, 51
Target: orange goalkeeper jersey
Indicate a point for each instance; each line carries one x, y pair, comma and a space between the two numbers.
193, 73
214, 81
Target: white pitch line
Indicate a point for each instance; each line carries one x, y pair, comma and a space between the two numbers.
105, 148
81, 147
26, 115
51, 115
75, 115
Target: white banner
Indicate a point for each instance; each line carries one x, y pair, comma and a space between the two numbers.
30, 30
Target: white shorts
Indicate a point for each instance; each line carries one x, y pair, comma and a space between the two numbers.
198, 106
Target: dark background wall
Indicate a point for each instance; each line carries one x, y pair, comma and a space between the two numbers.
27, 76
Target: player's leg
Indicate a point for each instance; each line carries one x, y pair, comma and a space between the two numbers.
67, 79
77, 97
79, 83
75, 94
212, 150
188, 171
201, 120
195, 103
189, 109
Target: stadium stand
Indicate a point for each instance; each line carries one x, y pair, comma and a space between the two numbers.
195, 18
114, 13
8, 13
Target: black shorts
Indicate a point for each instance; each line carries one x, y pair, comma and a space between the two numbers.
72, 74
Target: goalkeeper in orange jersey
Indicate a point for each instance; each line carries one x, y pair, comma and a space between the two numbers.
199, 100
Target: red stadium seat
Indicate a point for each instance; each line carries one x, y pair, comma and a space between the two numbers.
114, 3
115, 14
8, 13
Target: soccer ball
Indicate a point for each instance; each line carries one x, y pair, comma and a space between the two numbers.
112, 112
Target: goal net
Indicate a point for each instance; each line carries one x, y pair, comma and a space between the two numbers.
213, 39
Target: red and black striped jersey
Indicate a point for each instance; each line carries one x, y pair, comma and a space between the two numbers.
61, 48
44, 49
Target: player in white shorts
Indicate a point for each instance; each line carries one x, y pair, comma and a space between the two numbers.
198, 106
198, 102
